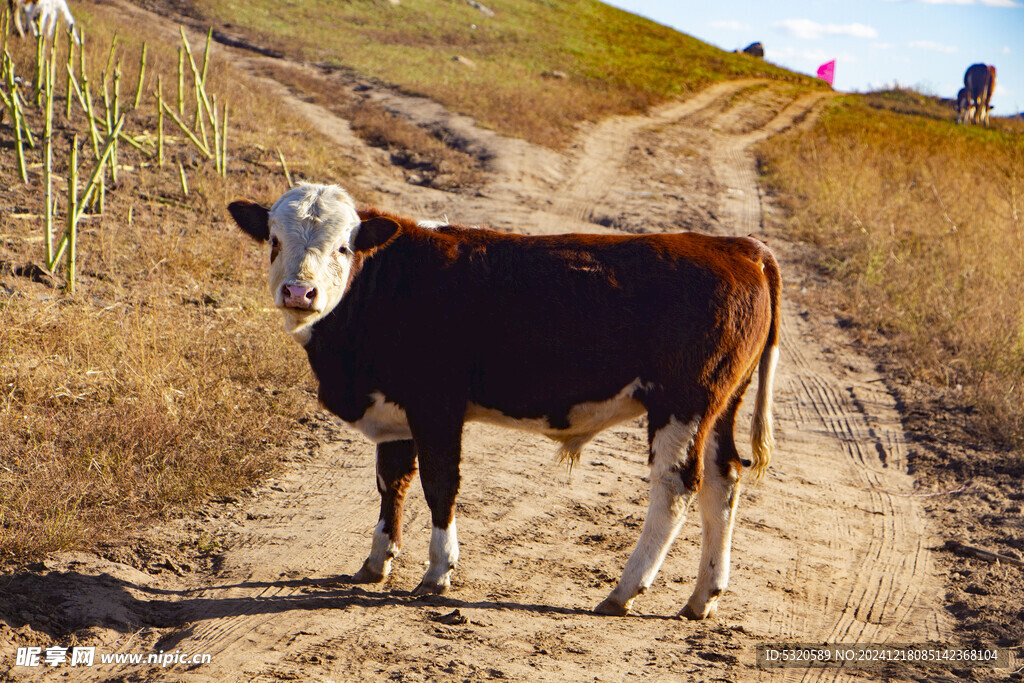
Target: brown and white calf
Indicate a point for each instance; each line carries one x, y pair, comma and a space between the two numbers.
964, 107
980, 83
412, 331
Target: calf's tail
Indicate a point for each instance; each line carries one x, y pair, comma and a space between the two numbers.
762, 436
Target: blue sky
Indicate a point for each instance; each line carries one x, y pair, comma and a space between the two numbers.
927, 44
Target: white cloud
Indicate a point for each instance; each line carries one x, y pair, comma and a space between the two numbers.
1006, 49
986, 3
811, 57
932, 46
732, 26
812, 30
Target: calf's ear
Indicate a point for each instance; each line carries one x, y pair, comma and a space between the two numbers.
252, 218
374, 233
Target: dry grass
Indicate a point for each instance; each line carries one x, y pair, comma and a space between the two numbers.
612, 62
149, 389
434, 161
921, 222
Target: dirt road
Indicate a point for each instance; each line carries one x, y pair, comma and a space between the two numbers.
830, 546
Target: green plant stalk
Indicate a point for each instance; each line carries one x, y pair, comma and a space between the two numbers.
109, 123
216, 138
11, 102
5, 23
184, 182
76, 204
38, 81
74, 88
200, 119
21, 117
48, 155
16, 108
160, 121
192, 136
71, 234
81, 58
284, 166
206, 55
110, 60
142, 78
91, 115
181, 82
115, 115
71, 76
224, 143
197, 75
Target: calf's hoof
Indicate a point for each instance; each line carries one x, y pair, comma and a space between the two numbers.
367, 575
430, 588
611, 608
690, 613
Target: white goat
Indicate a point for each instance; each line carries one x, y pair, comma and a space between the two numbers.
42, 16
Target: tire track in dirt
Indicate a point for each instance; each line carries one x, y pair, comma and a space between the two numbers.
890, 582
828, 547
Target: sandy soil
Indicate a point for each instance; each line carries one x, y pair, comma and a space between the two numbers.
833, 545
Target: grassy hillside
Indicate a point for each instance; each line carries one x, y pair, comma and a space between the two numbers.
920, 223
115, 398
612, 62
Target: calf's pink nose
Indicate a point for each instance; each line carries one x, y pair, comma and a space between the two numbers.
298, 295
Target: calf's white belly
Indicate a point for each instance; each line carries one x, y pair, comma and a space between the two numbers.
385, 421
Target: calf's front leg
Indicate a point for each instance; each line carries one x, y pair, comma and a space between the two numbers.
396, 467
438, 438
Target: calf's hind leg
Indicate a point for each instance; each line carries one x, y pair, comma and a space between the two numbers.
396, 467
719, 493
676, 447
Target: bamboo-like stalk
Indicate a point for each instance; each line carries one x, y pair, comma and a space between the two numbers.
71, 235
51, 79
90, 113
200, 123
115, 115
142, 78
181, 82
160, 121
110, 60
184, 182
71, 74
16, 94
224, 143
13, 106
216, 138
37, 82
5, 22
81, 56
185, 129
284, 166
76, 204
197, 75
74, 88
206, 55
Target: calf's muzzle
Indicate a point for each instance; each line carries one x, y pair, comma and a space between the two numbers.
298, 295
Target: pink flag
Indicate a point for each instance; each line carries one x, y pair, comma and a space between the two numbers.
827, 71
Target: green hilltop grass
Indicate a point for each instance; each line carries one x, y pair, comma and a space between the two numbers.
613, 62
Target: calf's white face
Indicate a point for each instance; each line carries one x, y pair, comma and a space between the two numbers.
311, 230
